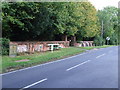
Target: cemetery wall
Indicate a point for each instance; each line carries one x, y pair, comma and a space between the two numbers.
31, 47
84, 44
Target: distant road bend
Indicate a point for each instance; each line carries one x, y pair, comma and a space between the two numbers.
92, 69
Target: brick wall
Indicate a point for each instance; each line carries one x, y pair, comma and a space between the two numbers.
84, 44
38, 46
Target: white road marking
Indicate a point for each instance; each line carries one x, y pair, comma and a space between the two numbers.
100, 55
78, 65
42, 64
34, 84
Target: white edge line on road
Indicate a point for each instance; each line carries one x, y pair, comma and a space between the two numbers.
78, 65
100, 55
42, 64
34, 84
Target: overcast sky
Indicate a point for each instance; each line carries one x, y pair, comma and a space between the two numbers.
100, 4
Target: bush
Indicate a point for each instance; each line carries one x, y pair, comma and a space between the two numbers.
113, 40
4, 44
99, 41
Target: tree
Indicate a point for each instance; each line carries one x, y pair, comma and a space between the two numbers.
74, 18
109, 16
90, 26
17, 19
45, 21
65, 20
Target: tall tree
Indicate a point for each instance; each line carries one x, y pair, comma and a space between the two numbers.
43, 20
109, 16
17, 19
90, 26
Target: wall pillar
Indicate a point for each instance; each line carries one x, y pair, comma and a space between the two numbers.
64, 38
73, 40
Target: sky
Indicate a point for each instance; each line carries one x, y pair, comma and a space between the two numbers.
100, 4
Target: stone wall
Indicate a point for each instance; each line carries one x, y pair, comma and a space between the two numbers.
31, 47
84, 44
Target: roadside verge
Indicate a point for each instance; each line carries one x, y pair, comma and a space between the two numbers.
20, 62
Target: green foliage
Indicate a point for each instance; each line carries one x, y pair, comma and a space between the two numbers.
114, 39
91, 27
99, 41
43, 20
89, 21
17, 19
4, 44
109, 16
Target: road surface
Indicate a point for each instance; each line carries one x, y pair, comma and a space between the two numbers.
92, 69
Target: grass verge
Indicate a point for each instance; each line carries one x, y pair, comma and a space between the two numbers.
9, 64
89, 48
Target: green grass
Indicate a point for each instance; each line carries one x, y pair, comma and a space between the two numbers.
89, 48
9, 64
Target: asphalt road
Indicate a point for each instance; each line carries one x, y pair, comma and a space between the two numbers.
92, 69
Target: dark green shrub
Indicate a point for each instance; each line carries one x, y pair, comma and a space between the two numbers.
4, 46
99, 41
113, 40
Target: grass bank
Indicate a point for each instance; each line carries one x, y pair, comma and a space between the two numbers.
10, 64
89, 48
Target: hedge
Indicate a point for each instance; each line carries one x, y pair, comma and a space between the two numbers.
99, 41
4, 46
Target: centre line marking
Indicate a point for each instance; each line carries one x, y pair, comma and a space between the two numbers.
100, 55
78, 65
34, 84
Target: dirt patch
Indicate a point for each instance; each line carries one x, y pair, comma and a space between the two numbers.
24, 60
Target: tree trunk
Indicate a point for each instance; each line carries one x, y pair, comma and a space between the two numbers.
73, 40
64, 38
